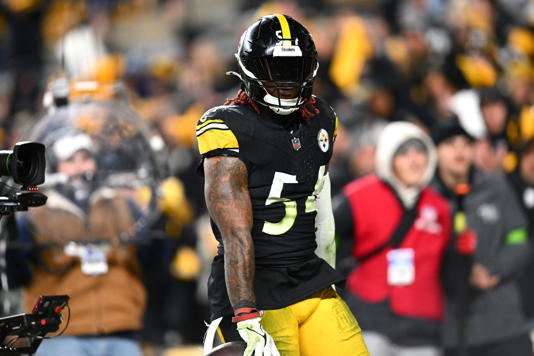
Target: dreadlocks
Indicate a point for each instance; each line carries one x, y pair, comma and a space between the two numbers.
308, 110
241, 99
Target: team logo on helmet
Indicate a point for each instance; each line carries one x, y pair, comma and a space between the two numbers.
323, 140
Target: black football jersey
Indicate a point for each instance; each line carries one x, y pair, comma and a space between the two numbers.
286, 159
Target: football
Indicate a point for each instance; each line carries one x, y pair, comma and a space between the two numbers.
233, 348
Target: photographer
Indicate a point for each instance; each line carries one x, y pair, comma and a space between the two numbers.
73, 245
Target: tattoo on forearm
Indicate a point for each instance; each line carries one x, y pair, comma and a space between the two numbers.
228, 202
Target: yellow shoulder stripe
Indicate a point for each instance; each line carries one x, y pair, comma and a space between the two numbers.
199, 126
286, 33
216, 139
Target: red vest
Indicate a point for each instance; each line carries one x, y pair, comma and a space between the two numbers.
376, 213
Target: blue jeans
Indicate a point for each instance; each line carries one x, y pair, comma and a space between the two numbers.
89, 346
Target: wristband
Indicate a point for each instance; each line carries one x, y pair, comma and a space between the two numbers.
243, 314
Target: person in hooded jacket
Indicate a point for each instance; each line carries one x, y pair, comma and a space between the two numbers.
522, 182
483, 313
396, 229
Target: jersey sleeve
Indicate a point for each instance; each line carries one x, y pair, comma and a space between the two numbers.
335, 127
336, 123
214, 137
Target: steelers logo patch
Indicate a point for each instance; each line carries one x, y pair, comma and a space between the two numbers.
323, 140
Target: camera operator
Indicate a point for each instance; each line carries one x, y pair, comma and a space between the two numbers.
72, 245
77, 164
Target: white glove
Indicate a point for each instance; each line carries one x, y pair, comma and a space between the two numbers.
259, 343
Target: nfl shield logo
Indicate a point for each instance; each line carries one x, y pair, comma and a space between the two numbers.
296, 143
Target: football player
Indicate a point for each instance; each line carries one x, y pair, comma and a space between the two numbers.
265, 157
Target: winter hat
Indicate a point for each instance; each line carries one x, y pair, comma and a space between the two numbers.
447, 128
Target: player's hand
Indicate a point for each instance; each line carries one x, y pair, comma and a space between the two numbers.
259, 343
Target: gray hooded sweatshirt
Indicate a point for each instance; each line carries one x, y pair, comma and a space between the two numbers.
495, 216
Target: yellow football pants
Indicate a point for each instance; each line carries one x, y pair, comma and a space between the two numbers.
321, 325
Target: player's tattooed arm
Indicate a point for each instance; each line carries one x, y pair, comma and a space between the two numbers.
229, 205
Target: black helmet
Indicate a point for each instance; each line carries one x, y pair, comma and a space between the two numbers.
277, 52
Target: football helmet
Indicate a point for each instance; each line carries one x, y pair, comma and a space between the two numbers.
277, 59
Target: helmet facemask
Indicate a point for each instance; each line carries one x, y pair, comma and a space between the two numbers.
269, 79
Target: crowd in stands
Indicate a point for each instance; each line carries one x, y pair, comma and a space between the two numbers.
425, 62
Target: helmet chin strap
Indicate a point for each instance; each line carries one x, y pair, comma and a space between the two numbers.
287, 107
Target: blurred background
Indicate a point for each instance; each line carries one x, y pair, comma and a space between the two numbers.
165, 60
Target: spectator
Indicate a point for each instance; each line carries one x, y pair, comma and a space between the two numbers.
522, 180
491, 150
397, 229
355, 156
494, 218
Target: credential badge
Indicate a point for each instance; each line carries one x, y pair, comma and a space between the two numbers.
323, 140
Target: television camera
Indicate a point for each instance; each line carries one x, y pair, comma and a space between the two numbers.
25, 164
21, 334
